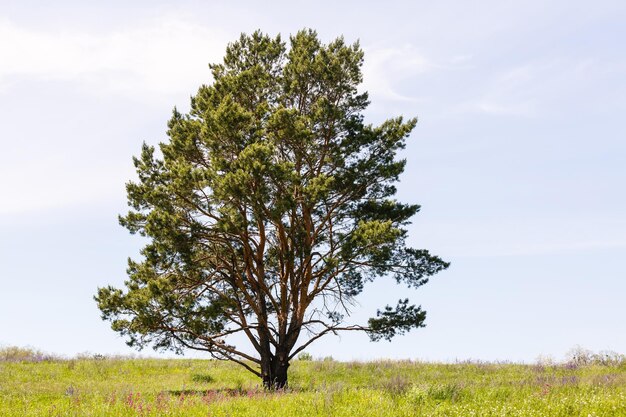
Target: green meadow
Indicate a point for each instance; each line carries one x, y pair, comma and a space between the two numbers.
101, 386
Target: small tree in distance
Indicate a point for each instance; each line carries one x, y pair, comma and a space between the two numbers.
270, 209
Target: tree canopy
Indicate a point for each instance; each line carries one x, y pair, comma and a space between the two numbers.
268, 209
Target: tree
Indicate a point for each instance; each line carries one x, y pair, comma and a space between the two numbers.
268, 210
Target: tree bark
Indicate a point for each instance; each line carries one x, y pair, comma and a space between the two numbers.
274, 371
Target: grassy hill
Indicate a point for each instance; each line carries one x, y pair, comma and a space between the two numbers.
36, 385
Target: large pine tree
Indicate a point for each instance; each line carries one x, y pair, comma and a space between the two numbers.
269, 209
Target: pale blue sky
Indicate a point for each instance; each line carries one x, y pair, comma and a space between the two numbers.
519, 160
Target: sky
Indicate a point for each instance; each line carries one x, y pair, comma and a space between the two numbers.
518, 160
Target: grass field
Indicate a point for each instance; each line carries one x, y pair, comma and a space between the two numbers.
98, 386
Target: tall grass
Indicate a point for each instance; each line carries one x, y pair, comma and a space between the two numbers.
101, 386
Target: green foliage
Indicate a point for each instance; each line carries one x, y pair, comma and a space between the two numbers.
391, 322
272, 193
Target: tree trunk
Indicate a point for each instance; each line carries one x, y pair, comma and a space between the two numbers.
280, 374
274, 372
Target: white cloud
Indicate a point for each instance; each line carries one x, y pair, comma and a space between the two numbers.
53, 183
164, 55
384, 67
510, 93
540, 87
160, 56
527, 236
152, 61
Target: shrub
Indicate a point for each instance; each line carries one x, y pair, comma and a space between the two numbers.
444, 392
417, 394
19, 354
397, 385
609, 358
305, 356
206, 378
579, 356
